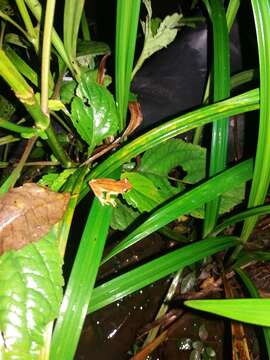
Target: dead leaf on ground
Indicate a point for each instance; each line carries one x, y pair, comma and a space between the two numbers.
27, 213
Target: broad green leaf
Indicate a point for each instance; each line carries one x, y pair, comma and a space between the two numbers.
81, 117
144, 195
252, 311
122, 216
94, 48
94, 111
55, 180
30, 297
157, 163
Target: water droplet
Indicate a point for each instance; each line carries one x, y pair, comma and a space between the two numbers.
203, 333
141, 307
141, 292
210, 352
197, 345
98, 322
184, 344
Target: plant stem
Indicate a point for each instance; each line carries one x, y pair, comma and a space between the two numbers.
32, 34
16, 173
5, 124
36, 10
46, 52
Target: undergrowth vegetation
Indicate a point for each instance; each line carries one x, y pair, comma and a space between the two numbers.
65, 131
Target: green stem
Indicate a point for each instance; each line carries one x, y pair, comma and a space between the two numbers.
230, 16
32, 34
84, 26
36, 10
5, 124
46, 53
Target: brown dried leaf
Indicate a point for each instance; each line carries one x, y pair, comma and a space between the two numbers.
27, 213
135, 119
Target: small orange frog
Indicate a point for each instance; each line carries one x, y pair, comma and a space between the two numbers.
109, 187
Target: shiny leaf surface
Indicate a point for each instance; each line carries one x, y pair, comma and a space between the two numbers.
30, 297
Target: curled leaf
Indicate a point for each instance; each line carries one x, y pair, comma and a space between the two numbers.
27, 213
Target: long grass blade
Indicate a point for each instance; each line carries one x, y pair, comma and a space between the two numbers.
126, 31
260, 210
255, 294
81, 282
185, 203
252, 311
261, 177
219, 145
154, 270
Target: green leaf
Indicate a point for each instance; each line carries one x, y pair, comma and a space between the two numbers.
163, 36
94, 112
15, 39
30, 297
154, 270
156, 164
144, 195
93, 48
252, 311
55, 180
68, 91
228, 201
184, 204
122, 216
81, 282
81, 117
159, 38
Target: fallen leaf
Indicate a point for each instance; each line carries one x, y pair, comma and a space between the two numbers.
27, 213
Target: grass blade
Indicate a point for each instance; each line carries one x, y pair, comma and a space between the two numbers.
260, 210
218, 156
261, 177
146, 274
255, 294
251, 311
126, 31
81, 282
185, 203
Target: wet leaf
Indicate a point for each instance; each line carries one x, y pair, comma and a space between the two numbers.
94, 112
30, 297
27, 213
